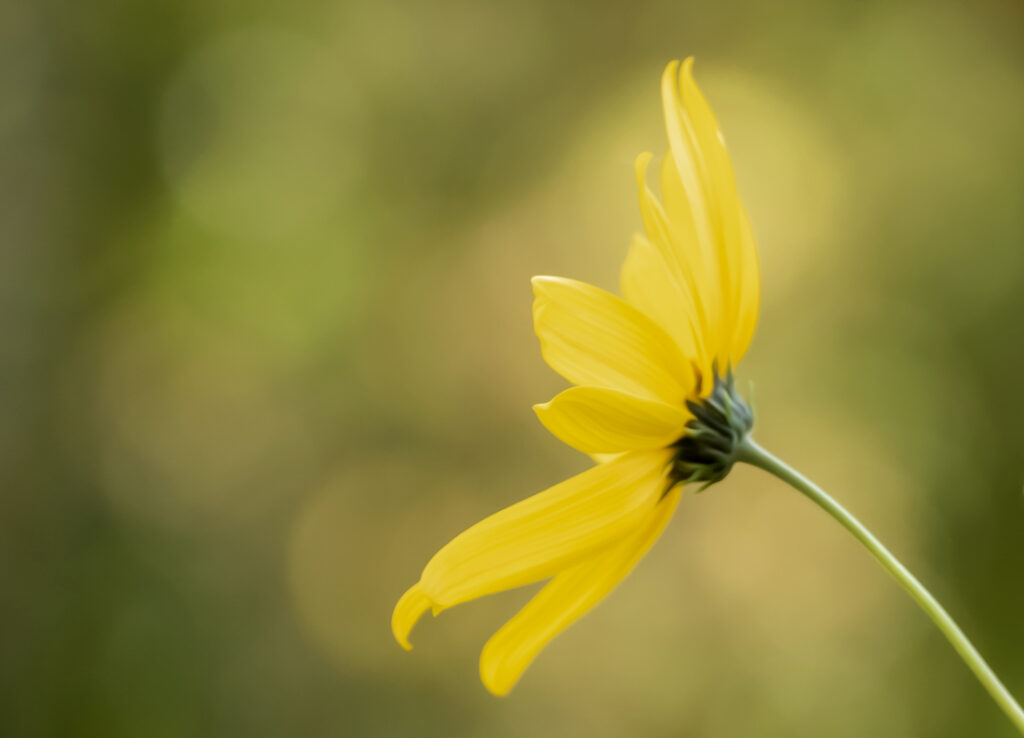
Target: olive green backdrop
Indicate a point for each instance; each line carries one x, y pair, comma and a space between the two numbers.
265, 345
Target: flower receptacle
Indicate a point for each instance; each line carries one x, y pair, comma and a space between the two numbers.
721, 422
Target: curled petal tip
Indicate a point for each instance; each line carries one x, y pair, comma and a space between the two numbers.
540, 285
686, 80
496, 675
409, 609
640, 166
542, 282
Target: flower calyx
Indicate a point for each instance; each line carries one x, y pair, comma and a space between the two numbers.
721, 422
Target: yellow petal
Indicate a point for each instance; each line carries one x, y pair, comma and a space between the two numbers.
699, 188
564, 600
596, 420
646, 282
749, 294
689, 162
723, 200
676, 241
539, 536
592, 337
409, 609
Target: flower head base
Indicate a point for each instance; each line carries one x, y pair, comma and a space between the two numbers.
721, 422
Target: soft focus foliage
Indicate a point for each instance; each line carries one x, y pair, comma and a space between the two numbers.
264, 274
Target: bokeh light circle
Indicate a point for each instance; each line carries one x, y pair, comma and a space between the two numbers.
258, 134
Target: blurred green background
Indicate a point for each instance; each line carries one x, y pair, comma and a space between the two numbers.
266, 345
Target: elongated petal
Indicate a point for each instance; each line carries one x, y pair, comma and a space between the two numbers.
592, 337
700, 194
646, 282
565, 599
676, 241
689, 161
725, 211
539, 536
595, 420
749, 293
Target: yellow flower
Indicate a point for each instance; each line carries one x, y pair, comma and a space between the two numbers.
653, 398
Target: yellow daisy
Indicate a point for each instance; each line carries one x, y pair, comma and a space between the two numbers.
653, 398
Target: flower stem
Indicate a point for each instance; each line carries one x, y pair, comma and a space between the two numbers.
751, 453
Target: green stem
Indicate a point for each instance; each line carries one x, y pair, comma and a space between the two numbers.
751, 453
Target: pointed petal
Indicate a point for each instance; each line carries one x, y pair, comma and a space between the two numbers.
689, 161
596, 420
539, 536
565, 599
699, 188
723, 200
676, 241
749, 294
592, 337
646, 282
